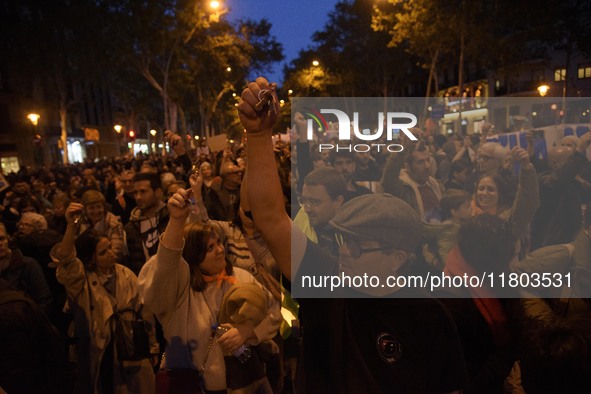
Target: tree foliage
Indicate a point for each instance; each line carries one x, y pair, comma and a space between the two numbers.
354, 59
164, 61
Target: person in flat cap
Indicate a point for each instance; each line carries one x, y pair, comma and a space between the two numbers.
368, 338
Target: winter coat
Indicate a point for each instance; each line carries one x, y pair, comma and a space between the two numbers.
26, 275
93, 308
138, 254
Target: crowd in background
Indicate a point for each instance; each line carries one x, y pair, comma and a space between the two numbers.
59, 223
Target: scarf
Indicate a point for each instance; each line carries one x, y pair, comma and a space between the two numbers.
483, 297
220, 278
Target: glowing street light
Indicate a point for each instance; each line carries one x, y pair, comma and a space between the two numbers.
228, 69
34, 118
543, 89
118, 128
153, 132
214, 5
315, 63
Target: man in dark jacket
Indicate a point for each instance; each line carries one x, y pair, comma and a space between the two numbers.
147, 221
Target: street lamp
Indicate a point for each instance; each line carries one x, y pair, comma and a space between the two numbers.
118, 129
37, 140
153, 144
34, 118
315, 63
214, 5
543, 89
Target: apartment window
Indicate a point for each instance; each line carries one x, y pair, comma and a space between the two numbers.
584, 71
559, 74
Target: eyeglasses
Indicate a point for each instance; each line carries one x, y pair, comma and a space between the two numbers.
353, 247
307, 203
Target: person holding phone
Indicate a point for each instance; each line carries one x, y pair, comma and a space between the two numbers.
97, 288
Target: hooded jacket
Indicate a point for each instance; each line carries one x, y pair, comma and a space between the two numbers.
138, 252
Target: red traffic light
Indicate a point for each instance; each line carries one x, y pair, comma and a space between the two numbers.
131, 135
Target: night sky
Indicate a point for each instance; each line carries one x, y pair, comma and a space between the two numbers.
294, 22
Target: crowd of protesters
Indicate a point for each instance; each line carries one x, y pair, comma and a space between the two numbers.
198, 248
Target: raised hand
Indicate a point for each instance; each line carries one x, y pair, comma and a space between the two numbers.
263, 119
520, 155
74, 213
176, 142
301, 126
178, 204
196, 181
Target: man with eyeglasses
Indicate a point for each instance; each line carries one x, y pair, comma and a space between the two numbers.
322, 196
381, 344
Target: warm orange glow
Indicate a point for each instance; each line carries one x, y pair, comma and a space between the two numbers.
543, 89
34, 118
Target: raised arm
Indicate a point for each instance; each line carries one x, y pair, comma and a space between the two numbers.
527, 199
66, 248
198, 208
164, 279
70, 271
304, 162
568, 170
264, 188
178, 146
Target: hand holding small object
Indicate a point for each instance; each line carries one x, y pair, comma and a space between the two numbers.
75, 213
266, 97
258, 94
